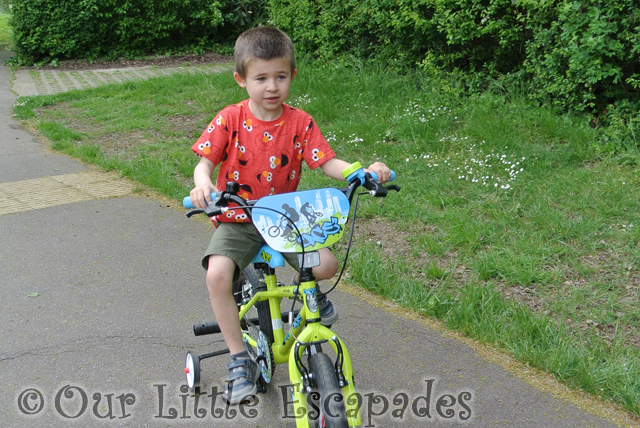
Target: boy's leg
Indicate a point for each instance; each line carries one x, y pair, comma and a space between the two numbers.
243, 371
232, 247
326, 270
328, 265
219, 278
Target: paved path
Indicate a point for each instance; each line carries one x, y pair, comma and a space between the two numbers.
99, 289
29, 82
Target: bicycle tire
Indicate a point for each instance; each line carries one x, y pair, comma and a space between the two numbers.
249, 283
331, 404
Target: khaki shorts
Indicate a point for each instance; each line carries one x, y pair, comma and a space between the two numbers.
240, 242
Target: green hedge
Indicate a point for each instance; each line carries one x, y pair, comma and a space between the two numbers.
578, 55
473, 35
61, 29
587, 52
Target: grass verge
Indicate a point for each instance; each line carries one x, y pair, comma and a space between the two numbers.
6, 41
511, 227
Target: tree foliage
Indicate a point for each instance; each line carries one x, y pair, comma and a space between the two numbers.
61, 29
577, 55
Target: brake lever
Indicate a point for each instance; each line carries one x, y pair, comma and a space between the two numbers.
377, 190
210, 211
193, 212
213, 209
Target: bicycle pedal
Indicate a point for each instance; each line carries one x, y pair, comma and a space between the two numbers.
262, 386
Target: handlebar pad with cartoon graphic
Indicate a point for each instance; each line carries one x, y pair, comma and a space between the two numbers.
314, 219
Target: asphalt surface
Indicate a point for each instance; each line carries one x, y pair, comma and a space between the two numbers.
99, 290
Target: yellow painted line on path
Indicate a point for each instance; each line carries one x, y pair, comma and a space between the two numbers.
37, 193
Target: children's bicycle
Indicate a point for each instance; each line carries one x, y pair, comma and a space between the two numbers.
320, 382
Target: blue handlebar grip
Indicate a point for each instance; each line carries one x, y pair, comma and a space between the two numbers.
375, 176
186, 201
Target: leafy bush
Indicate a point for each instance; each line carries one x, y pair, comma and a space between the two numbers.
577, 55
587, 56
61, 29
239, 15
466, 34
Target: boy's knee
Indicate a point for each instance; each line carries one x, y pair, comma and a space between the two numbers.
220, 274
328, 265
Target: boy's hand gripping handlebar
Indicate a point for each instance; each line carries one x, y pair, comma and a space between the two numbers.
186, 201
354, 173
219, 202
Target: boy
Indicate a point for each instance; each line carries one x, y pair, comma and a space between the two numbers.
259, 143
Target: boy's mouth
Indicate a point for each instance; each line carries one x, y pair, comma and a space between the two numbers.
272, 99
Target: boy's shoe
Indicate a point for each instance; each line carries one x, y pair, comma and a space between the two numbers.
241, 383
328, 313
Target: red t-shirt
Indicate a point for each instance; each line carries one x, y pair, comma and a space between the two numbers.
265, 158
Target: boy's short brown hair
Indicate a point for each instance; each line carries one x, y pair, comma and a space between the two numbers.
262, 43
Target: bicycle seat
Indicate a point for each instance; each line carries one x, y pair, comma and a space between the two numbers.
268, 255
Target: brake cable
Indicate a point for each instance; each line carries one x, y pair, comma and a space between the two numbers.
346, 256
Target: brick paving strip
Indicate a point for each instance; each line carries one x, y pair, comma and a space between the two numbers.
45, 192
37, 193
28, 82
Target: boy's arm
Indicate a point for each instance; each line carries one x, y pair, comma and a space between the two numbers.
203, 184
334, 167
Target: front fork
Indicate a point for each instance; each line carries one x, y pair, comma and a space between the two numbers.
314, 334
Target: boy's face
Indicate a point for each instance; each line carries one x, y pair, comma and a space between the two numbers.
267, 82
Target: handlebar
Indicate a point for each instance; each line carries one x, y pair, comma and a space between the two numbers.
219, 202
355, 175
186, 201
375, 176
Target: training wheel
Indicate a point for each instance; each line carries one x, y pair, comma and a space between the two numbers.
192, 370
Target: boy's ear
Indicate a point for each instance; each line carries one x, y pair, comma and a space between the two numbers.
239, 80
294, 74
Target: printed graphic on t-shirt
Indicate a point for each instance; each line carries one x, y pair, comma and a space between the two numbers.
265, 158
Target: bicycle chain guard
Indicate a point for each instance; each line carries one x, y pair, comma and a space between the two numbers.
264, 357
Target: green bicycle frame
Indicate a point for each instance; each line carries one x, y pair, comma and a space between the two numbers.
283, 346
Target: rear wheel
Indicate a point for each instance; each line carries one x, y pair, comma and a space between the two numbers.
331, 406
257, 320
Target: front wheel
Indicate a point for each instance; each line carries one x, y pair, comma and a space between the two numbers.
331, 406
